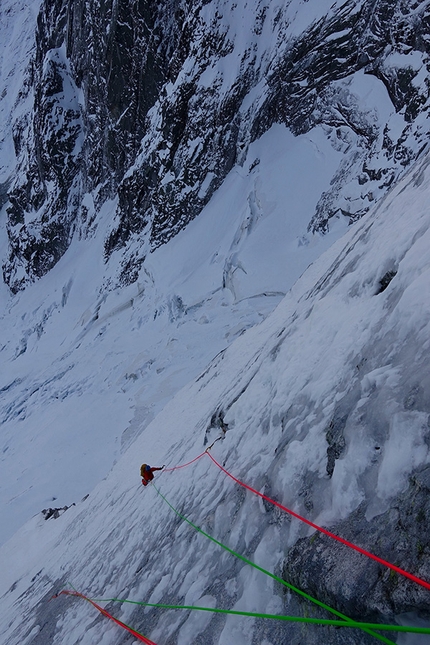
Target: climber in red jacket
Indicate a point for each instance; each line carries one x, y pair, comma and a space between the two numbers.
147, 473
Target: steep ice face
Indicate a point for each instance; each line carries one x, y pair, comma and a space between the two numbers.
326, 403
326, 406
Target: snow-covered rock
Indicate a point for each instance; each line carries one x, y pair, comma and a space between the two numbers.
325, 407
156, 102
167, 172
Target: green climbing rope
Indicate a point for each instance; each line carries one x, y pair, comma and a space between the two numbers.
290, 619
272, 575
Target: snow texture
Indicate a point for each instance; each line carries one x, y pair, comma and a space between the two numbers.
342, 342
312, 350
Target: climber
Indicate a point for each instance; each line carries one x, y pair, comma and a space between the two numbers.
147, 473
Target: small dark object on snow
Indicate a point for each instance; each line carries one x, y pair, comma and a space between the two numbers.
55, 512
385, 281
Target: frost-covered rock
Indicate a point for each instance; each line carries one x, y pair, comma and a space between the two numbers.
155, 102
337, 576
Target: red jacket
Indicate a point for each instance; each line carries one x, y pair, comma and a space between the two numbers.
147, 473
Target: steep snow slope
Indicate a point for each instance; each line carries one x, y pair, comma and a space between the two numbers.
327, 405
83, 369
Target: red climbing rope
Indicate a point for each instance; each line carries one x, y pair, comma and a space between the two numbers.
137, 635
167, 470
419, 581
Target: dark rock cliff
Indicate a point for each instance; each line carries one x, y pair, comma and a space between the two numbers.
132, 99
96, 71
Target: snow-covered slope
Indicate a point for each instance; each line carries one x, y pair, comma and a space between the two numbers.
157, 223
326, 405
84, 369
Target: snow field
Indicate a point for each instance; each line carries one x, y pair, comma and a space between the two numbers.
95, 382
88, 366
255, 381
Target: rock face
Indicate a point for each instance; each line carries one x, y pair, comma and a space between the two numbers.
349, 579
155, 102
95, 73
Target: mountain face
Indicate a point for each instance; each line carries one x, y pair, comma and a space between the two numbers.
214, 231
323, 407
153, 103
